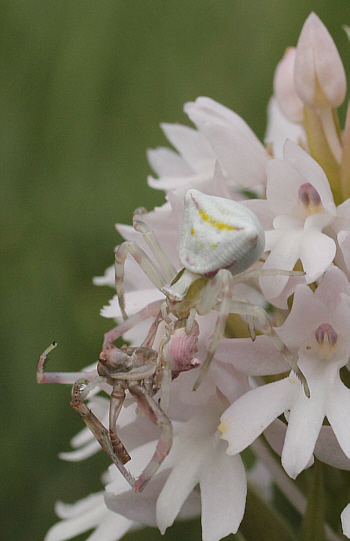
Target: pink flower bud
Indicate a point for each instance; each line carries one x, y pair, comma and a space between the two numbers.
284, 88
319, 72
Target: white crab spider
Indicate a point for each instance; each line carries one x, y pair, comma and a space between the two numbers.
220, 240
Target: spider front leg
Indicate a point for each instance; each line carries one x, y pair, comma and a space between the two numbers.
108, 440
59, 377
156, 275
222, 284
142, 259
248, 309
116, 403
151, 409
153, 243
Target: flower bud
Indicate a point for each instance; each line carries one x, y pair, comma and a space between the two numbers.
319, 72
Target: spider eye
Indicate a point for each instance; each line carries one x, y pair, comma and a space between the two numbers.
219, 233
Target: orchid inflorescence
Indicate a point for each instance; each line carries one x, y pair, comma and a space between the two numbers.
245, 301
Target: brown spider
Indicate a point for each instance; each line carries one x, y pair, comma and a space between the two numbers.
140, 370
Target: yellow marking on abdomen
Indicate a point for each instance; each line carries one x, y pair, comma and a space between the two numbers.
215, 223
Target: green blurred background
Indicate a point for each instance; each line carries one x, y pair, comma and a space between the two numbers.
84, 86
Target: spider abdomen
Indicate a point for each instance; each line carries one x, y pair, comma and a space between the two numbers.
219, 233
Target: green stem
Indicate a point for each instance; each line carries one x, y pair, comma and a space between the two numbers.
323, 148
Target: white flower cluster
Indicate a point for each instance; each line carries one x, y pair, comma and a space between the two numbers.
301, 179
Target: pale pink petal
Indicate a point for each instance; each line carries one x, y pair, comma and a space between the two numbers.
229, 381
343, 212
328, 450
283, 185
258, 358
141, 507
296, 329
284, 90
332, 285
344, 245
275, 434
317, 252
310, 171
338, 414
208, 110
236, 146
262, 209
279, 128
319, 72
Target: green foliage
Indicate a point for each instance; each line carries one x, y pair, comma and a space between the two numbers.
314, 517
262, 523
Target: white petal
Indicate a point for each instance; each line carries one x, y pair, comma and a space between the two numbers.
345, 521
107, 280
223, 487
190, 455
86, 451
236, 157
72, 510
283, 256
73, 526
207, 110
248, 417
317, 252
192, 146
167, 163
112, 528
304, 425
180, 483
173, 183
134, 300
